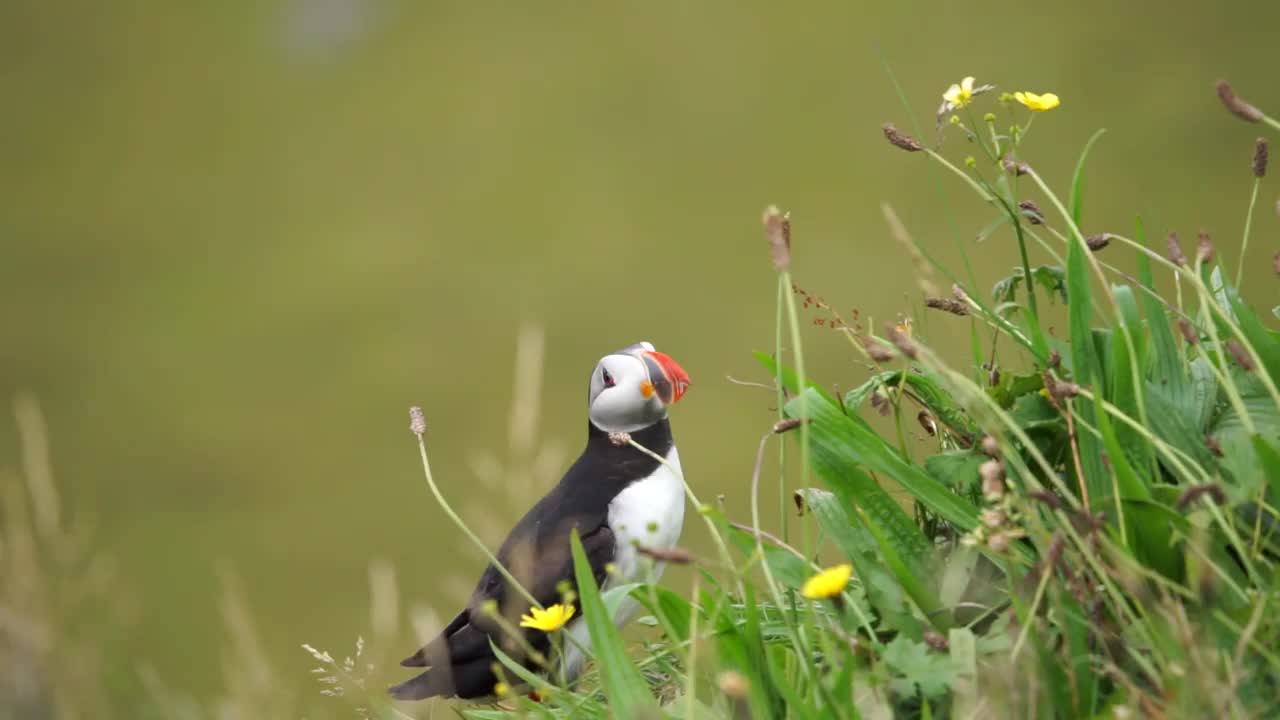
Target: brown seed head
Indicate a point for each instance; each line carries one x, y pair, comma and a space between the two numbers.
1260, 158
675, 556
1211, 442
1195, 492
926, 421
1099, 241
1204, 248
955, 307
1055, 360
777, 230
1241, 357
1175, 250
998, 542
1236, 104
993, 518
1188, 331
937, 641
785, 425
990, 446
1061, 389
1032, 212
1275, 261
992, 474
734, 684
903, 342
899, 139
1016, 168
877, 352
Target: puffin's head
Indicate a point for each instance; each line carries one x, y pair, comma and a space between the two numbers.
632, 388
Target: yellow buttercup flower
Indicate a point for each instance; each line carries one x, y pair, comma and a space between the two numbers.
501, 689
1037, 103
548, 620
957, 96
828, 583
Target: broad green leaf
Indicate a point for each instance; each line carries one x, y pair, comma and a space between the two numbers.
1168, 366
921, 387
669, 606
860, 547
1084, 362
624, 686
932, 673
1172, 426
839, 446
957, 469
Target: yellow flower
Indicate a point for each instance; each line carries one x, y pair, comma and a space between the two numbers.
549, 620
957, 96
1037, 103
501, 689
828, 583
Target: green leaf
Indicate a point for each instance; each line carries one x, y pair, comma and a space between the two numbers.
931, 673
1171, 425
1084, 364
957, 469
859, 546
839, 446
921, 387
669, 606
624, 686
1077, 181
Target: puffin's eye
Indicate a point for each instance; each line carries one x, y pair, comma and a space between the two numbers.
608, 379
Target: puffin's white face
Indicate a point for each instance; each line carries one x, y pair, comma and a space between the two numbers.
632, 388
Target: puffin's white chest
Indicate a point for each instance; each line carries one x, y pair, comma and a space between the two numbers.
649, 512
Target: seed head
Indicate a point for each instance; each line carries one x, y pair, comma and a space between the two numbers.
1214, 446
901, 140
1175, 251
1099, 241
1188, 331
903, 342
1195, 492
1240, 356
1061, 389
777, 229
1260, 158
1236, 104
936, 640
990, 446
1204, 248
998, 542
955, 307
1016, 168
786, 425
417, 421
876, 351
992, 474
1032, 212
734, 684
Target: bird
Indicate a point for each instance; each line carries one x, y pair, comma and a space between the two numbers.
618, 498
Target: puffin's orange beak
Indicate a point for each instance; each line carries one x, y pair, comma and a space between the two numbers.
674, 381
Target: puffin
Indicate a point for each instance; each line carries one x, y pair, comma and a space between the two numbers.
619, 499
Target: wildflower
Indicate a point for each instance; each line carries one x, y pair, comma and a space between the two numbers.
1037, 103
828, 583
958, 96
501, 689
548, 620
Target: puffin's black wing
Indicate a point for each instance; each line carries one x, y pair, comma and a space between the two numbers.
460, 660
537, 553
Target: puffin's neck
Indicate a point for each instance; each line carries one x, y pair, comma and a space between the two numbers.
656, 437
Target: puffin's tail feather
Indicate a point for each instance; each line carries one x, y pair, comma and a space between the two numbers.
471, 679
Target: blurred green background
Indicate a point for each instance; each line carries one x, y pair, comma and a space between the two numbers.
238, 240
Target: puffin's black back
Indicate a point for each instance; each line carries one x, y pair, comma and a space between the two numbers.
536, 552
